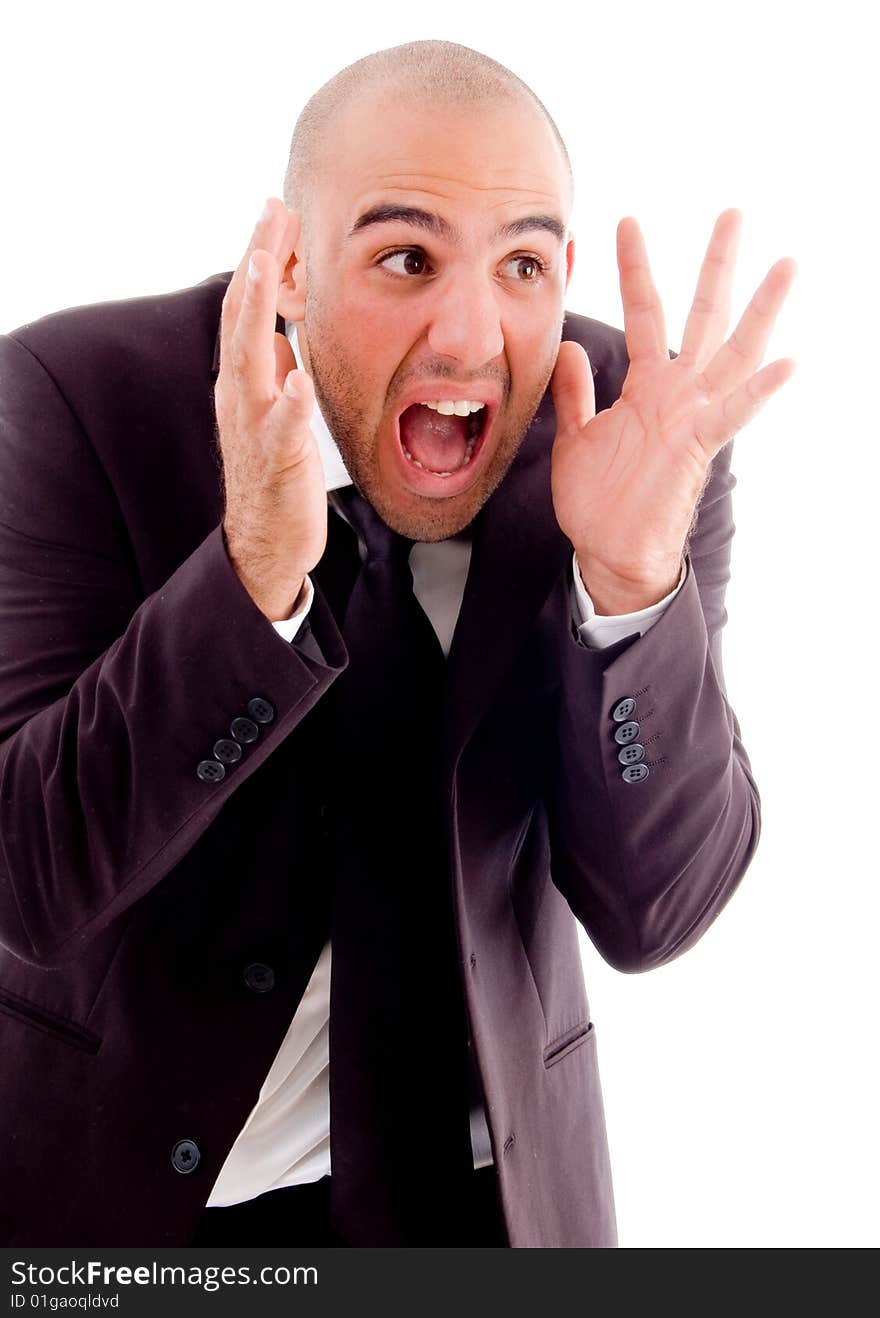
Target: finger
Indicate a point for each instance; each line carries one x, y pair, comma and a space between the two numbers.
719, 421
572, 387
277, 232
710, 312
643, 321
740, 356
261, 237
252, 346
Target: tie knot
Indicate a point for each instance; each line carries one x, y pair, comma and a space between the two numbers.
380, 540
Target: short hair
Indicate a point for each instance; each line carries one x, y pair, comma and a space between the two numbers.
437, 70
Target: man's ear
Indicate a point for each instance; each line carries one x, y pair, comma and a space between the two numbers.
292, 289
569, 260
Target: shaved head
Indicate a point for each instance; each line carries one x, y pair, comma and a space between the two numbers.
428, 72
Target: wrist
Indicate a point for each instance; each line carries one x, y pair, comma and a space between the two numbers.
275, 595
299, 599
277, 604
612, 595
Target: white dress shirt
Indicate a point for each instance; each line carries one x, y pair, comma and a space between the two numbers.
286, 1138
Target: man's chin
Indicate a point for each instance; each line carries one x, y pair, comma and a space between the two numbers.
428, 518
420, 517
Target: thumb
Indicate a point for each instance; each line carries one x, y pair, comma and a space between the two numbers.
297, 400
289, 424
572, 386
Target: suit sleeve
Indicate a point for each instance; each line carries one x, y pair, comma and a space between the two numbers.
110, 701
647, 865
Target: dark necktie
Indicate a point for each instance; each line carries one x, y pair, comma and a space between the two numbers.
399, 1094
383, 598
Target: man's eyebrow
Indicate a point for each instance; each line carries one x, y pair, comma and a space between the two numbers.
386, 213
528, 222
389, 212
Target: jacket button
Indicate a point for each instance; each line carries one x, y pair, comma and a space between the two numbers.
260, 710
227, 751
626, 733
632, 753
244, 730
623, 709
185, 1156
635, 773
259, 978
211, 771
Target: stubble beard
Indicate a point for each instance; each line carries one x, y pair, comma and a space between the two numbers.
431, 519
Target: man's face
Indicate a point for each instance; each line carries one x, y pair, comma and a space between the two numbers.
436, 263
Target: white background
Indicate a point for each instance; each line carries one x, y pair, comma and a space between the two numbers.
139, 144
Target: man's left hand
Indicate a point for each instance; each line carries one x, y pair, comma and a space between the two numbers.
626, 482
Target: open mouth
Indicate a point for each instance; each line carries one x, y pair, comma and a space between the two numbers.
444, 438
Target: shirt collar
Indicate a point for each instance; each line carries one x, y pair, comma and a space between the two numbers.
335, 474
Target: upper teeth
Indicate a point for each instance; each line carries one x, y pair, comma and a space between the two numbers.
454, 407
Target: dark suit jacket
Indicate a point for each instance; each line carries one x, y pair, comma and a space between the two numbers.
132, 898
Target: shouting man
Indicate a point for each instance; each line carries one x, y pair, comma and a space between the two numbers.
360, 633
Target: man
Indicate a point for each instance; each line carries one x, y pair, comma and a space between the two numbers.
317, 742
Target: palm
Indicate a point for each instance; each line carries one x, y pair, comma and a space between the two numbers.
609, 477
626, 482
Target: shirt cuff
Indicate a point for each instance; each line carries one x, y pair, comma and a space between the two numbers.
288, 627
599, 630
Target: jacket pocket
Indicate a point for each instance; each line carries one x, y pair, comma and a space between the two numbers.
30, 1014
566, 1043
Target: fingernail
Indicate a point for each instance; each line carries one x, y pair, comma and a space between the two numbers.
267, 210
253, 272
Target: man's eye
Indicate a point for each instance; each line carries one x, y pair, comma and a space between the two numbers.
409, 261
527, 269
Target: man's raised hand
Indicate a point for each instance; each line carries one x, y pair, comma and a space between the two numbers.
275, 519
626, 482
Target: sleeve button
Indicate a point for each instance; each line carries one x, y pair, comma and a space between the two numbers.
260, 710
626, 733
211, 771
227, 751
244, 730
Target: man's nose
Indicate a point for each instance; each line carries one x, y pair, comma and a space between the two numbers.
466, 323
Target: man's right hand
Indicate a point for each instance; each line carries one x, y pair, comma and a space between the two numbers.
275, 520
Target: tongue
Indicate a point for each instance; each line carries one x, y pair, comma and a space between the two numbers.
436, 441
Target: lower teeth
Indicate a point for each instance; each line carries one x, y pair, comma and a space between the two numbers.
468, 454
